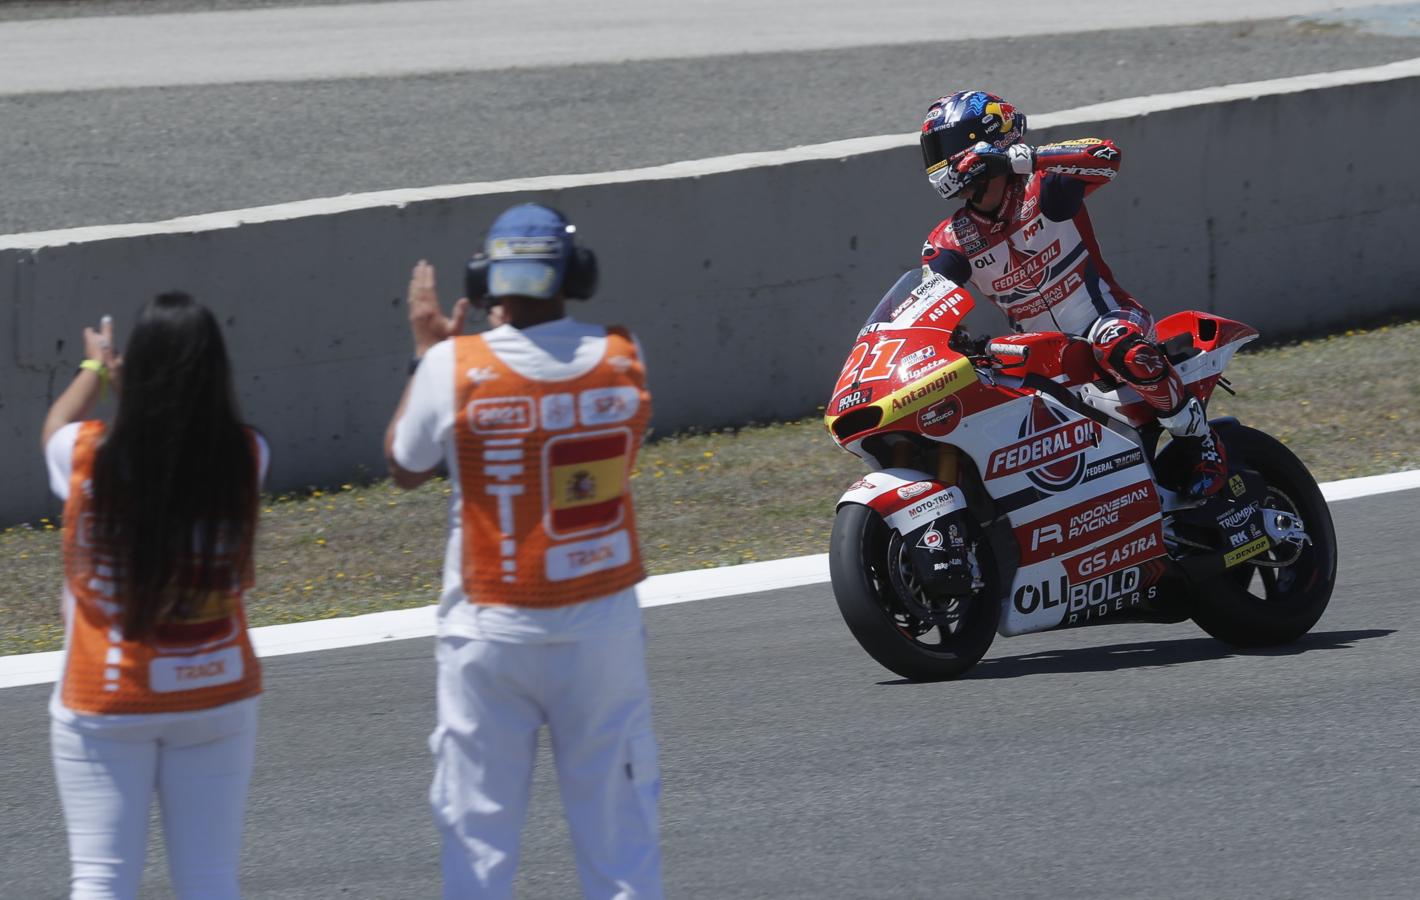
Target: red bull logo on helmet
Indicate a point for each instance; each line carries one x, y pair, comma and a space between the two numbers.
1003, 114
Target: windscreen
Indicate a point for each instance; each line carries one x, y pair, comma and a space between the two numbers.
894, 297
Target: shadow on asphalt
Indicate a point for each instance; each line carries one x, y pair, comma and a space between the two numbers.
1144, 654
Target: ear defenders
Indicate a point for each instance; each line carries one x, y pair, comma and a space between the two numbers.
579, 278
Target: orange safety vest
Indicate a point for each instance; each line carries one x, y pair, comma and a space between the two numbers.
200, 661
544, 469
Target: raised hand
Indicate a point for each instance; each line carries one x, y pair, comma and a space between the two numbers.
988, 162
982, 161
99, 345
427, 321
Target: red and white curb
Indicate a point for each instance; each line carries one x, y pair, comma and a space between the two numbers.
659, 590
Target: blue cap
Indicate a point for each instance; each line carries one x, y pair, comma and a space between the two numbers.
528, 249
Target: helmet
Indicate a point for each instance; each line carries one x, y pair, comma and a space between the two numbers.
531, 251
960, 121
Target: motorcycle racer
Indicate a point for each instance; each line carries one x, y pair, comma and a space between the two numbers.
1024, 239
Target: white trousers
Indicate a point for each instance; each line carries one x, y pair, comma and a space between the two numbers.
199, 765
493, 698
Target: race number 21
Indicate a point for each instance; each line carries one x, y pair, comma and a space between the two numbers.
868, 363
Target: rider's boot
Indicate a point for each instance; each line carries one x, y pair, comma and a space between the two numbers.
1207, 464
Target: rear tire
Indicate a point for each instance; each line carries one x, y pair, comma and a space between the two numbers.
858, 560
1258, 606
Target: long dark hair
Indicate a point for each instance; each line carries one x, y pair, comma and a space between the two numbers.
175, 480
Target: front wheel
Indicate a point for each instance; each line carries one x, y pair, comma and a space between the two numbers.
869, 569
1276, 597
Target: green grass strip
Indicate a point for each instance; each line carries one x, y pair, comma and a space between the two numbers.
1346, 404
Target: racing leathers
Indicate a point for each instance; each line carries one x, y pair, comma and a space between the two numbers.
1036, 257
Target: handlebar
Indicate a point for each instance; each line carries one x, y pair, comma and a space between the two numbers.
987, 351
1009, 351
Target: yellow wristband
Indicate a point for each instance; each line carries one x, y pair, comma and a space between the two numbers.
97, 368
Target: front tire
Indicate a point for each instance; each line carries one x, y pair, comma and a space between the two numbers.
1260, 606
858, 564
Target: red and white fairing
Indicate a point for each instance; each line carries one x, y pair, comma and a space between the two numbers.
1082, 503
1080, 498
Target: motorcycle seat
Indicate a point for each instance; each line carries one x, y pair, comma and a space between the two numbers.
1180, 347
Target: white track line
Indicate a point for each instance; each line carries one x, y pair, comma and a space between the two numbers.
1350, 488
659, 590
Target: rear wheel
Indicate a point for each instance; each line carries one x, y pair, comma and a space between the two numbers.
1277, 597
918, 637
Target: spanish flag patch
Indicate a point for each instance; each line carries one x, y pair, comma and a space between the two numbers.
586, 481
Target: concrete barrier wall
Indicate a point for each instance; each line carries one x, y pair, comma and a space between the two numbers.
1289, 204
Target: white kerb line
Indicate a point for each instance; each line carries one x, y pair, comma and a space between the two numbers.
658, 590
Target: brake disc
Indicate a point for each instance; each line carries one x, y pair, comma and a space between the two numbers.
944, 612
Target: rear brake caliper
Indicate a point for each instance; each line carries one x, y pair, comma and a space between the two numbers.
1285, 527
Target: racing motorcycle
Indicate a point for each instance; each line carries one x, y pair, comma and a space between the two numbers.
1016, 490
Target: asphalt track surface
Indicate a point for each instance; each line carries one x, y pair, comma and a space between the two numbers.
419, 36
122, 155
1122, 761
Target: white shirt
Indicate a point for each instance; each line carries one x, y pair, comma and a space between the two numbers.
552, 351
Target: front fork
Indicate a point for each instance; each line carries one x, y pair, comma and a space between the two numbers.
940, 552
946, 466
